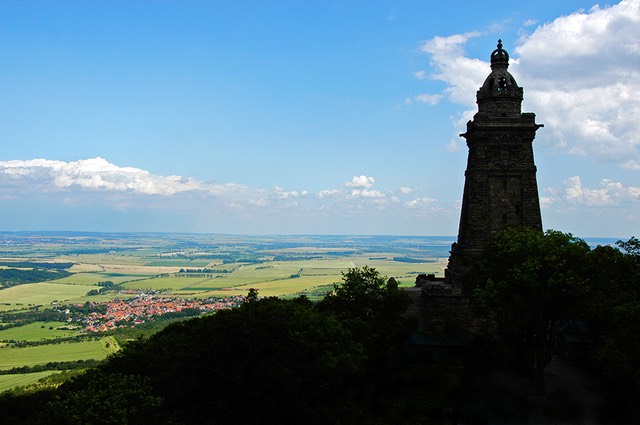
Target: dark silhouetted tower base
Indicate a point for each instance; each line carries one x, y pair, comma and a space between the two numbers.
500, 189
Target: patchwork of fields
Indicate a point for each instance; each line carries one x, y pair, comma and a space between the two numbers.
117, 266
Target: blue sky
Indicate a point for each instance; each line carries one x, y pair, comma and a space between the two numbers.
306, 116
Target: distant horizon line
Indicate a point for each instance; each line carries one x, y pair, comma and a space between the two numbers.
176, 232
142, 232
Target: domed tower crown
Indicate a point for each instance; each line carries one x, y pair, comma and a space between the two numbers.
500, 93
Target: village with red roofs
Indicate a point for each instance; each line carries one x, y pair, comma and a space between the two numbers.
129, 312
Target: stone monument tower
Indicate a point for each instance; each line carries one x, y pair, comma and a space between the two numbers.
500, 189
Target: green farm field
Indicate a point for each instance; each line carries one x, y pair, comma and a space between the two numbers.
34, 294
285, 287
37, 331
92, 278
180, 262
8, 382
11, 357
127, 259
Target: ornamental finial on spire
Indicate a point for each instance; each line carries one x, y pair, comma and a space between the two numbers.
499, 57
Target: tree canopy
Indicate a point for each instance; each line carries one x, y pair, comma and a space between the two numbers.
529, 281
532, 282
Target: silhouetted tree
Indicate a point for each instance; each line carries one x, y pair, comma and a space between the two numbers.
611, 304
529, 281
373, 309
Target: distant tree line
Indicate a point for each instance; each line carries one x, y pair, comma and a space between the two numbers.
250, 260
85, 251
12, 277
105, 286
204, 270
296, 257
197, 256
70, 365
413, 260
12, 320
22, 343
35, 265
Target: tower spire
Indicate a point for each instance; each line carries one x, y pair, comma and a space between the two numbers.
500, 189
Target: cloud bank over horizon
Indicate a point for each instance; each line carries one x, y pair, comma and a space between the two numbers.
80, 181
129, 188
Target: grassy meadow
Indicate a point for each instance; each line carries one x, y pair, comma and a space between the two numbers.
38, 331
99, 349
8, 382
41, 294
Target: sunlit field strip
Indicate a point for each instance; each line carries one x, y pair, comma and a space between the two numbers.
179, 262
176, 283
268, 270
42, 293
101, 298
12, 307
171, 283
119, 258
11, 357
401, 271
332, 263
37, 331
396, 269
18, 380
278, 288
90, 278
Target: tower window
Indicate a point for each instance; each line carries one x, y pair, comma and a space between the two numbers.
502, 85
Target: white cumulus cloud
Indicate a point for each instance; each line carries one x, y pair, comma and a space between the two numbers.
366, 193
95, 174
420, 202
327, 193
610, 193
405, 190
361, 181
280, 193
96, 181
454, 68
